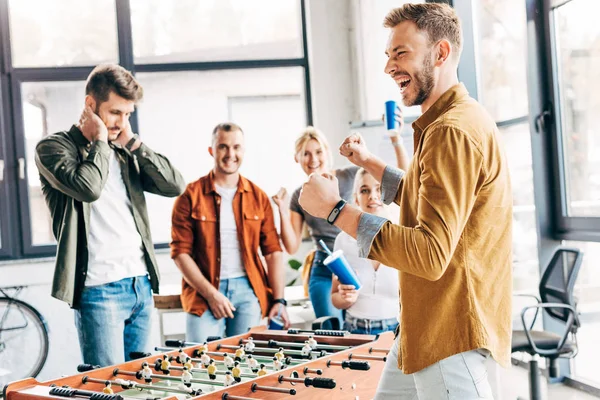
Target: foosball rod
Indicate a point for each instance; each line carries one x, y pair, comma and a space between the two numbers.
255, 387
354, 365
367, 357
86, 379
72, 392
275, 343
287, 360
269, 350
378, 350
312, 371
219, 362
320, 383
203, 371
137, 375
227, 396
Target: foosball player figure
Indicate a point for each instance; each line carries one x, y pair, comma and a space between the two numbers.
186, 377
280, 356
204, 358
203, 347
147, 373
306, 349
107, 389
165, 365
181, 357
277, 364
212, 370
228, 361
250, 345
229, 380
252, 363
237, 372
240, 353
188, 363
263, 370
312, 342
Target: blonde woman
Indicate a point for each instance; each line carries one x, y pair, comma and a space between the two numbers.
375, 307
313, 153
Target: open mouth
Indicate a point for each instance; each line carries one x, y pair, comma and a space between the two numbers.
402, 81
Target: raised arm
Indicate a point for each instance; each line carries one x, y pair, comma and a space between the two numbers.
291, 222
57, 160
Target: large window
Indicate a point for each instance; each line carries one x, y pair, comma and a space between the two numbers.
200, 62
503, 92
374, 87
577, 47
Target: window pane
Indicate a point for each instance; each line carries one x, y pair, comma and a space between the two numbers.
517, 144
62, 32
587, 292
503, 55
180, 109
191, 30
375, 86
578, 56
48, 107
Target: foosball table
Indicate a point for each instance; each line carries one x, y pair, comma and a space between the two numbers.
260, 364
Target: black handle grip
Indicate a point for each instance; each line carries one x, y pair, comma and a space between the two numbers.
104, 396
213, 338
62, 392
174, 343
321, 383
86, 367
134, 355
356, 365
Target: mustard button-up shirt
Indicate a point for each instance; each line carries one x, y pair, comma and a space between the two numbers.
453, 246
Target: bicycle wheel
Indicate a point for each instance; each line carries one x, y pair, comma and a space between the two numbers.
23, 341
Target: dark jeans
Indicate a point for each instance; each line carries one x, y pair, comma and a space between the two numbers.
319, 290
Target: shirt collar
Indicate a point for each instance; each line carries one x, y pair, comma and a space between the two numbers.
209, 184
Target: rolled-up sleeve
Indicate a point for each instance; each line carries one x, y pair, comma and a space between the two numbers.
182, 231
390, 183
369, 226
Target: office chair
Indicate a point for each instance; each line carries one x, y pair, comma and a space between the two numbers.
556, 298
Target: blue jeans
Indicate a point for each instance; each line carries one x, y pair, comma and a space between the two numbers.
114, 319
319, 290
247, 313
369, 326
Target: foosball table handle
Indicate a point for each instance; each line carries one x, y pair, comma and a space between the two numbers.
322, 383
135, 355
86, 367
175, 343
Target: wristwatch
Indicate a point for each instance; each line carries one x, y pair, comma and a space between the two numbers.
280, 301
131, 142
336, 211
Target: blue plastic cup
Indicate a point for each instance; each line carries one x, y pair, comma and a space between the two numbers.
390, 115
276, 323
339, 266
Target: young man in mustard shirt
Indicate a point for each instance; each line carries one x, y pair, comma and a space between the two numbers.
453, 243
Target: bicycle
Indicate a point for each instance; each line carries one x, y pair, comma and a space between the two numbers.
23, 338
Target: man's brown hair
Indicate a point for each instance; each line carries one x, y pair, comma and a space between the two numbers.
108, 78
438, 21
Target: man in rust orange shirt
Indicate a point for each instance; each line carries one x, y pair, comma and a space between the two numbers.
218, 226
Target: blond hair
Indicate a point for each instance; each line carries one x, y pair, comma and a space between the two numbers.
438, 21
312, 133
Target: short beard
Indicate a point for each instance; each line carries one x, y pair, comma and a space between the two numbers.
424, 81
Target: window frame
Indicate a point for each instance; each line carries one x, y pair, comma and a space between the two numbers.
15, 215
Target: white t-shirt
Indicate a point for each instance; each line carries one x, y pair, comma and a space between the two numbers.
378, 297
232, 265
114, 243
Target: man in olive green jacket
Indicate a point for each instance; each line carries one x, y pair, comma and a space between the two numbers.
93, 179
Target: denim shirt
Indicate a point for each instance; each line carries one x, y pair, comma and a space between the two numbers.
73, 173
